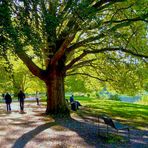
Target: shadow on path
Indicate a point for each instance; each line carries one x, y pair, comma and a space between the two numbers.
88, 132
24, 139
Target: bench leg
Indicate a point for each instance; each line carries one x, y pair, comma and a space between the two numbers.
128, 133
98, 126
107, 130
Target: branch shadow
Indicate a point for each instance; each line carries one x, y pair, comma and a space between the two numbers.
24, 139
85, 130
88, 131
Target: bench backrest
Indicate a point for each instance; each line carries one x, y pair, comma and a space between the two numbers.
108, 121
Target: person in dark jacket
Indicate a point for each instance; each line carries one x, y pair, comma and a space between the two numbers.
21, 97
74, 104
71, 99
8, 101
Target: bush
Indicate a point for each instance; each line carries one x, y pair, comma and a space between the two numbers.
98, 95
88, 95
115, 97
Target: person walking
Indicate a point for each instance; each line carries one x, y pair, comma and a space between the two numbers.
37, 97
21, 97
8, 101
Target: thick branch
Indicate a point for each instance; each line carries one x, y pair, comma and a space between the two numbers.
115, 49
75, 60
85, 74
102, 2
30, 64
83, 63
85, 41
140, 18
62, 49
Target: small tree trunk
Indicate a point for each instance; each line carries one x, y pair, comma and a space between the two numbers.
56, 103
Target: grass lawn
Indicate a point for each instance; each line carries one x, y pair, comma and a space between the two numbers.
134, 115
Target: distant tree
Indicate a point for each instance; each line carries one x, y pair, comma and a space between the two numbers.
5, 82
15, 76
64, 36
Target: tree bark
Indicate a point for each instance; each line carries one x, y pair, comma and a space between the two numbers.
56, 103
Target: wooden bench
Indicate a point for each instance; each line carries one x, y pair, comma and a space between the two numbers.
114, 124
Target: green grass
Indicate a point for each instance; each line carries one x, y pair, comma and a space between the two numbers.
132, 114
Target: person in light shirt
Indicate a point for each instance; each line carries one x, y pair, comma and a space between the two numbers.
37, 97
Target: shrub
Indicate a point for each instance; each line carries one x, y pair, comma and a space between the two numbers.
115, 97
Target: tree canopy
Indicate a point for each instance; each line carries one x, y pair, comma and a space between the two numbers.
102, 39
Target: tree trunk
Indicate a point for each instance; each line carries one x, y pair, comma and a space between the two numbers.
56, 103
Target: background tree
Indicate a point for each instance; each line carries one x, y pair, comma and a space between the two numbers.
5, 82
15, 76
68, 35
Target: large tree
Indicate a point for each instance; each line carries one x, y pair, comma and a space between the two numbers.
65, 35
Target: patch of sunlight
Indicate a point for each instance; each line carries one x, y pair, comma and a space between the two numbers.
139, 141
138, 118
146, 137
2, 133
48, 119
120, 118
58, 128
15, 115
143, 109
141, 128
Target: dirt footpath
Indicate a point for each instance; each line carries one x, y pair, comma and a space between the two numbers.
32, 129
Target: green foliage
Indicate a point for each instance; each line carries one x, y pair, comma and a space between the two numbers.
5, 83
85, 34
75, 84
97, 95
18, 77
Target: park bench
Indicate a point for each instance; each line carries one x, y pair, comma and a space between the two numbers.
114, 124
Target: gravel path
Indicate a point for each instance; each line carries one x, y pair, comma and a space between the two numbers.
32, 129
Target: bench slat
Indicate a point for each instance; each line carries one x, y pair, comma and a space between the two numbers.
120, 126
